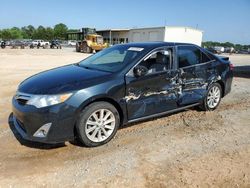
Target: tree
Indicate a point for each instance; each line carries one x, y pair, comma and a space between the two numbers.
227, 44
16, 33
49, 33
28, 31
24, 32
60, 31
40, 33
6, 34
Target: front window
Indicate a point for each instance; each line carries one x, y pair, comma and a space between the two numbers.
113, 59
158, 61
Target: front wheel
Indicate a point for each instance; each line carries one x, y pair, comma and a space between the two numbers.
213, 97
98, 123
86, 48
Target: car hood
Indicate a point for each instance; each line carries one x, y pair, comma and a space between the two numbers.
62, 80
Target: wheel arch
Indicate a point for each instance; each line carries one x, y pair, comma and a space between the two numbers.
222, 86
108, 100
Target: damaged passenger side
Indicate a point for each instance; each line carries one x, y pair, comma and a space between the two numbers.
154, 87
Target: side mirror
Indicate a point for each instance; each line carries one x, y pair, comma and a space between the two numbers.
140, 71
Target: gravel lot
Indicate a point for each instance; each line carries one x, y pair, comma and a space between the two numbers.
187, 149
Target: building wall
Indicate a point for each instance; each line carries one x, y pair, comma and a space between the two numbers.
183, 34
166, 34
117, 37
146, 34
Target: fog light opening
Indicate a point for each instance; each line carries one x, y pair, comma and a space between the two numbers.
43, 131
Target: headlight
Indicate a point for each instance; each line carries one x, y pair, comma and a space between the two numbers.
40, 101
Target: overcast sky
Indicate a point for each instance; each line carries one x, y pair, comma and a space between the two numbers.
221, 20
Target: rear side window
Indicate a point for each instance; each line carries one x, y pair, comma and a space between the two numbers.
188, 56
204, 58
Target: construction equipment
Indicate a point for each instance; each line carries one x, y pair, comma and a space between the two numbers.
92, 42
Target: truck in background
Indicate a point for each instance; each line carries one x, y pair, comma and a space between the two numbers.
39, 43
91, 42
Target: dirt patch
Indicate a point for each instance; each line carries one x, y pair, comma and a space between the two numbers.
187, 149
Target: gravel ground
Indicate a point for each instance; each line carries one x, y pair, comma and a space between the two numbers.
187, 149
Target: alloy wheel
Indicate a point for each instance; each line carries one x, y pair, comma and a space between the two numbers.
100, 125
213, 97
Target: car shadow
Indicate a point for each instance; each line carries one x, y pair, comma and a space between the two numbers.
242, 71
36, 145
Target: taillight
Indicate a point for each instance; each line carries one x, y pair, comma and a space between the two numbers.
231, 66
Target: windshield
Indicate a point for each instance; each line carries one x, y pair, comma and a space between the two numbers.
112, 59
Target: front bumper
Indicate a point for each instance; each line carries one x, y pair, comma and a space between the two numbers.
28, 119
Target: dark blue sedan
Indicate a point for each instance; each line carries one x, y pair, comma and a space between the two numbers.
91, 99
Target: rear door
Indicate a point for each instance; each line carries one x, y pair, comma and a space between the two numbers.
194, 66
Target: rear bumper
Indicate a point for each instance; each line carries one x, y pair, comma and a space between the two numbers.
228, 83
28, 119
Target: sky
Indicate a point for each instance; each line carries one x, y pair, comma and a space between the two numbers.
221, 20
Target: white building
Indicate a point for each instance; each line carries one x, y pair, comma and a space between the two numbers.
166, 34
115, 36
162, 34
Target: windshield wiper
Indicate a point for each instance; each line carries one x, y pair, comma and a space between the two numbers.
92, 68
83, 66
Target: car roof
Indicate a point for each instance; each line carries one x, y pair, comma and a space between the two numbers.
151, 45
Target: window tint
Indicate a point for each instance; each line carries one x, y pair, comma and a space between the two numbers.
204, 58
188, 55
210, 55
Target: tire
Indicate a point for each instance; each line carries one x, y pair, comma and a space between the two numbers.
78, 48
91, 128
86, 48
213, 97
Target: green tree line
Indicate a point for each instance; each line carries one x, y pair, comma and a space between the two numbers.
30, 32
210, 44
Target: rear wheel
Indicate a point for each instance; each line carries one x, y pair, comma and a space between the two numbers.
78, 49
213, 97
98, 123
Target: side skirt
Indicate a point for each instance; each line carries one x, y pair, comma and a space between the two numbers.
163, 113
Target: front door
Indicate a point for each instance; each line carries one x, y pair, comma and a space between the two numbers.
157, 90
